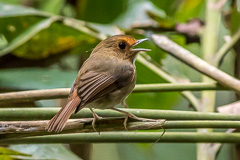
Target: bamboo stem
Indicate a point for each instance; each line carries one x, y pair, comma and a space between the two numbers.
209, 47
35, 95
186, 94
129, 137
173, 87
110, 124
197, 63
17, 114
13, 129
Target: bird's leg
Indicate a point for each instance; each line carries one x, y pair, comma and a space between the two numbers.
134, 117
130, 114
127, 114
95, 118
124, 104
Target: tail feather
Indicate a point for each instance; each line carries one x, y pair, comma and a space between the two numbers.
58, 122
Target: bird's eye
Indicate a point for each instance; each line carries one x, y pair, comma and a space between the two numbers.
122, 45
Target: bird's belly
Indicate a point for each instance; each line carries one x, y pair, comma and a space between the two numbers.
112, 99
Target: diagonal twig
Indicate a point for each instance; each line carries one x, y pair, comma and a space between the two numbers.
188, 95
226, 47
196, 62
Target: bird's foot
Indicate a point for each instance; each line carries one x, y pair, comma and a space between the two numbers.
95, 118
125, 122
127, 114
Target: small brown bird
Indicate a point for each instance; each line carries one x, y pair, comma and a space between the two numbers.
106, 78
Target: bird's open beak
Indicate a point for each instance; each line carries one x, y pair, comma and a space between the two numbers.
138, 42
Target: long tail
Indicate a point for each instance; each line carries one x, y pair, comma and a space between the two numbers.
58, 122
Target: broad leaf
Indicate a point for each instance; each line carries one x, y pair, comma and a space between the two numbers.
8, 154
46, 151
34, 35
36, 78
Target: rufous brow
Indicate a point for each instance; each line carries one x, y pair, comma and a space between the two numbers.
131, 41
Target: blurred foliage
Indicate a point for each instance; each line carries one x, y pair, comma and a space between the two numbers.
36, 37
100, 11
45, 151
40, 78
8, 154
43, 44
234, 21
3, 41
189, 9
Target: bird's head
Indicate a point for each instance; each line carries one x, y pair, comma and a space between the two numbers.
122, 46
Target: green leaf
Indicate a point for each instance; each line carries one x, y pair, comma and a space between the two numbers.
36, 78
54, 40
136, 12
234, 21
7, 151
7, 10
188, 9
8, 154
37, 37
167, 6
163, 20
46, 151
53, 6
3, 41
143, 12
100, 11
27, 35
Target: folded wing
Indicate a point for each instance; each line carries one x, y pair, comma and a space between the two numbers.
89, 87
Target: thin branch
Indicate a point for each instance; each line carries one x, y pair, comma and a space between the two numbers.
35, 95
109, 124
176, 87
83, 27
226, 48
188, 95
16, 114
196, 63
129, 137
13, 129
19, 129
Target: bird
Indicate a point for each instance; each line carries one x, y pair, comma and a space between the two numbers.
105, 80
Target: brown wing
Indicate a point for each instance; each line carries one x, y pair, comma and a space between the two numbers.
88, 88
95, 85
